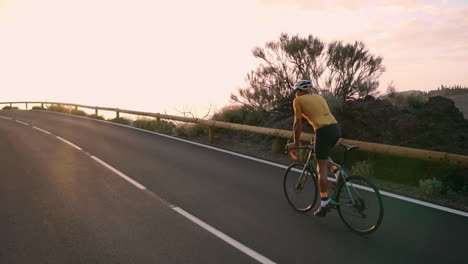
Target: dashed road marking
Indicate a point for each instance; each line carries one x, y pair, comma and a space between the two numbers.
253, 254
42, 130
69, 143
138, 185
21, 122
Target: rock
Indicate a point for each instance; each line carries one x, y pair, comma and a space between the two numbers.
438, 125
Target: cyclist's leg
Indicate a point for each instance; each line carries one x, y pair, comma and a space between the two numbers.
326, 138
322, 167
335, 135
321, 156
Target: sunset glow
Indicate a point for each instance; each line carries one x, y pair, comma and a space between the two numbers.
169, 56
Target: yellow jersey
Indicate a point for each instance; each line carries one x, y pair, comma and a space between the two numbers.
315, 109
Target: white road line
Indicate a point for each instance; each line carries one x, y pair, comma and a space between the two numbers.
435, 206
42, 130
192, 218
411, 200
26, 124
98, 160
404, 198
119, 173
179, 139
69, 143
208, 147
224, 237
7, 118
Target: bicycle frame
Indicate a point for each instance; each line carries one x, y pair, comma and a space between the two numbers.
301, 181
341, 174
346, 198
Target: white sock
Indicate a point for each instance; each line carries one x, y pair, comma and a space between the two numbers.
337, 175
323, 203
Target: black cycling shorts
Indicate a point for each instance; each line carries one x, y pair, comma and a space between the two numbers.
325, 139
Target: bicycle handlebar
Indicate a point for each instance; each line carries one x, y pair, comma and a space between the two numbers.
310, 147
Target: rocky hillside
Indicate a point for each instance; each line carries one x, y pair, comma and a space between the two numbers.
438, 125
461, 102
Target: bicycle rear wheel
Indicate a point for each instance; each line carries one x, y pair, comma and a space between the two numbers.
301, 192
360, 205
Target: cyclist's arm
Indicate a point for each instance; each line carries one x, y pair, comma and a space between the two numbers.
297, 127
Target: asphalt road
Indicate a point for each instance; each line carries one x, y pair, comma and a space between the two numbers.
58, 205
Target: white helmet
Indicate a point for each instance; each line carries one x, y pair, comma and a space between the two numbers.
303, 85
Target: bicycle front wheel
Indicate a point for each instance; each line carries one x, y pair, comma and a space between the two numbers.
300, 187
360, 205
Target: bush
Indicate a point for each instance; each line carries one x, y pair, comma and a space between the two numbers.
38, 108
239, 114
253, 117
189, 130
409, 171
334, 103
416, 101
145, 124
198, 130
9, 107
430, 187
231, 114
363, 168
449, 90
96, 117
453, 177
162, 126
121, 120
58, 108
78, 112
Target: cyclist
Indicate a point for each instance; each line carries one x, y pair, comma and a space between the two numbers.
327, 133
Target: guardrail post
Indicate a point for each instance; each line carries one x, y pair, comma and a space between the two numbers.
117, 114
76, 107
96, 111
42, 105
26, 106
11, 105
211, 133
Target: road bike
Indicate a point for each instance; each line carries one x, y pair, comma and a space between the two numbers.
357, 200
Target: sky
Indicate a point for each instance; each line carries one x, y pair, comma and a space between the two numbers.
178, 56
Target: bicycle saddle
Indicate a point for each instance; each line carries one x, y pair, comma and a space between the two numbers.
348, 147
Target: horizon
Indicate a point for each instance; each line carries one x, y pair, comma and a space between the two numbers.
172, 57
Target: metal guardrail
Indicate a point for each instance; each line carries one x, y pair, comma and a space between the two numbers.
435, 156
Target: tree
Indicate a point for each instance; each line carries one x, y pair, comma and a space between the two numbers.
348, 71
283, 63
391, 90
354, 72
